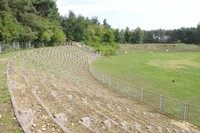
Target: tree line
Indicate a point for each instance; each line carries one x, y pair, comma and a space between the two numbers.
93, 33
90, 32
139, 36
30, 21
39, 21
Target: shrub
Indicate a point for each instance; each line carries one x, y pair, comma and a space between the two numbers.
104, 48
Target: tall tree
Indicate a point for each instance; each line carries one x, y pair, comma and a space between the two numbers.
95, 20
132, 38
198, 34
139, 35
148, 37
29, 20
68, 25
80, 28
108, 36
10, 29
127, 35
47, 9
105, 24
119, 36
4, 6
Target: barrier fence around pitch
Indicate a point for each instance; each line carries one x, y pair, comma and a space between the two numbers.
163, 104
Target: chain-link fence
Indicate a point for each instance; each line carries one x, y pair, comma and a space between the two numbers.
166, 105
12, 46
15, 46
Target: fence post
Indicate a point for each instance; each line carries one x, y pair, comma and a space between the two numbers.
185, 117
142, 95
18, 46
161, 103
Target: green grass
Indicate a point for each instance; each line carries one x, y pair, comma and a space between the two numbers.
7, 123
156, 72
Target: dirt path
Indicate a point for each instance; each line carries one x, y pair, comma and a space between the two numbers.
54, 92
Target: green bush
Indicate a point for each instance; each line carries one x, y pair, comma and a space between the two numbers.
104, 48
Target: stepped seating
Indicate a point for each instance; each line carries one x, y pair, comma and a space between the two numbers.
55, 84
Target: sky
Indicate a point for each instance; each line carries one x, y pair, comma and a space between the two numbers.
146, 14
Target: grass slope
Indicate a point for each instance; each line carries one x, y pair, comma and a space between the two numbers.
175, 75
7, 122
149, 48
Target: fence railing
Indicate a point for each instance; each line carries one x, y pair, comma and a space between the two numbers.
12, 46
165, 105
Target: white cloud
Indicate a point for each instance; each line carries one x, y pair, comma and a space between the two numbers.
97, 7
149, 14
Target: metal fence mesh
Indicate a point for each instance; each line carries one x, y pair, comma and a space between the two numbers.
194, 115
134, 93
166, 105
151, 99
15, 46
173, 107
